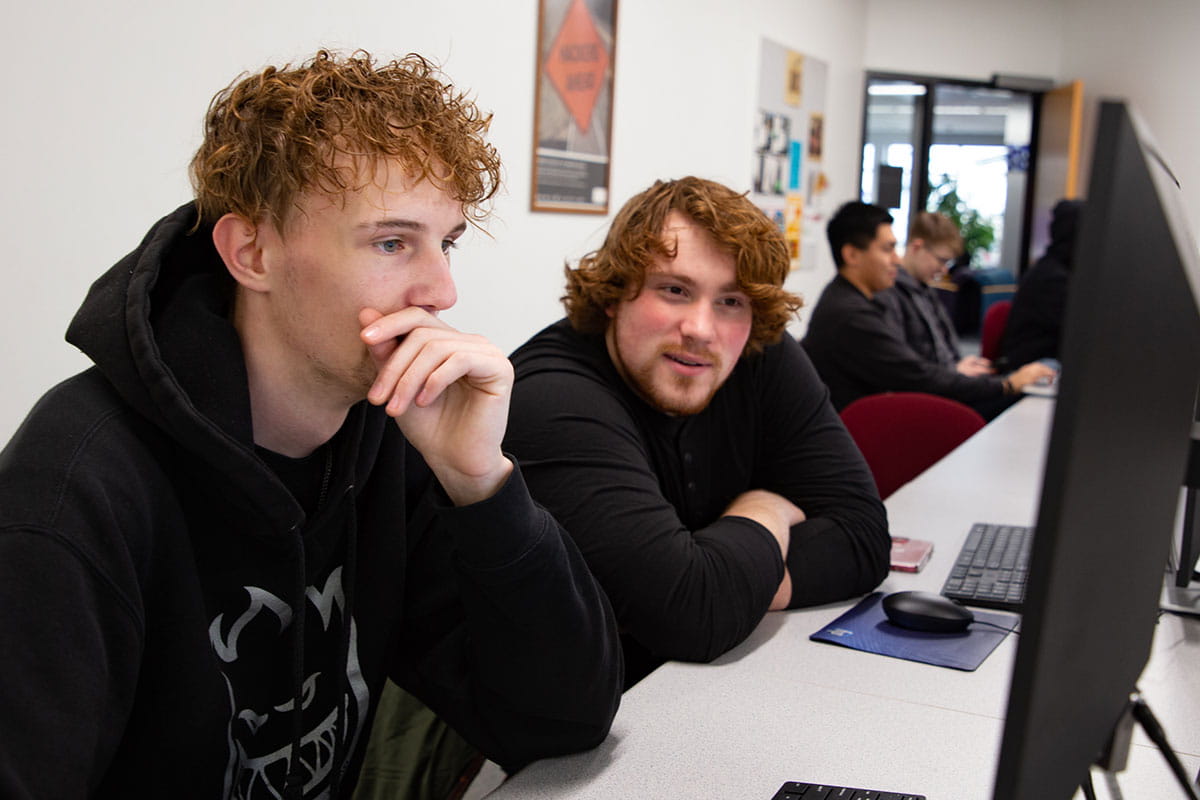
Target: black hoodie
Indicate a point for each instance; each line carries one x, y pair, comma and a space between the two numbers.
179, 627
1034, 328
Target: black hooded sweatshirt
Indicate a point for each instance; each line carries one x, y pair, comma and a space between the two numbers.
178, 626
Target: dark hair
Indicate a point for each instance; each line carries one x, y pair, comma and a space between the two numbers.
610, 274
856, 224
324, 126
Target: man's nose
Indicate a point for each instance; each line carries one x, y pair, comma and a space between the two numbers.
433, 286
697, 322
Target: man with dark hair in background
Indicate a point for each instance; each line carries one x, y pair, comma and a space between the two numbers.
282, 481
682, 437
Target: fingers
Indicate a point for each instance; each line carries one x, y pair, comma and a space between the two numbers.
378, 343
424, 366
1031, 372
383, 329
418, 362
973, 366
474, 360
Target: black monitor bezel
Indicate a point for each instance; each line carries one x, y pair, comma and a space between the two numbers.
1131, 359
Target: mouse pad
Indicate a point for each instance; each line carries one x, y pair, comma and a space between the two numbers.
865, 627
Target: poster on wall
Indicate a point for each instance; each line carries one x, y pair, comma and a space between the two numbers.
787, 179
573, 105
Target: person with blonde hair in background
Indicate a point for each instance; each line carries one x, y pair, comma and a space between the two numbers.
933, 243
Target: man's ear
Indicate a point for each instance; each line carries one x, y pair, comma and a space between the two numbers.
238, 243
850, 255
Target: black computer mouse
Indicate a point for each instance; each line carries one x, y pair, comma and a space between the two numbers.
926, 611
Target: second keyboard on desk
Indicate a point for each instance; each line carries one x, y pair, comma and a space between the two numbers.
795, 790
991, 567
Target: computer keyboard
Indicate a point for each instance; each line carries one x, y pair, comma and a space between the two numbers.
793, 790
991, 567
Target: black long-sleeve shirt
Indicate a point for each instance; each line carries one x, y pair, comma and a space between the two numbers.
858, 351
922, 319
642, 492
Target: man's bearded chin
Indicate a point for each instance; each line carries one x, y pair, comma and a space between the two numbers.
684, 401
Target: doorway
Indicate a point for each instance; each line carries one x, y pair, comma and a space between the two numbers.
959, 147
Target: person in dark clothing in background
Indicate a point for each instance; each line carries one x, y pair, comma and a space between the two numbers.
684, 440
282, 482
1034, 327
859, 349
933, 243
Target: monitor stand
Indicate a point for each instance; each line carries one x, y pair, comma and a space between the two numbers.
1116, 756
1181, 588
1178, 600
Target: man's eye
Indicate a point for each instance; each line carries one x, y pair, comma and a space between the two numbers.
448, 245
390, 246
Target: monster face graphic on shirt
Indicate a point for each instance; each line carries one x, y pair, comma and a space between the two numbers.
258, 648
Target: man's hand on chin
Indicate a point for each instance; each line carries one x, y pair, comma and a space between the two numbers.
449, 392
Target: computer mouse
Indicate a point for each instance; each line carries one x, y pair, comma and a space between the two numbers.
926, 611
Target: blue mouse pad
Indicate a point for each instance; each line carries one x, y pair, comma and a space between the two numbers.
866, 627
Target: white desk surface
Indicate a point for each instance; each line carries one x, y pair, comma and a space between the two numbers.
779, 707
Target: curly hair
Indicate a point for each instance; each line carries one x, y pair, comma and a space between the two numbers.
324, 125
618, 269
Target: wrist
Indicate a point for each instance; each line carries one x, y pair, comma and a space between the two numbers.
465, 489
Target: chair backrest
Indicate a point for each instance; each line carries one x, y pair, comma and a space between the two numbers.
995, 320
901, 434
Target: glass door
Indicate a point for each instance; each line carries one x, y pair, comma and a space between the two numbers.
952, 146
894, 152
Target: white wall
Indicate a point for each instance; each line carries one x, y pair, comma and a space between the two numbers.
1148, 54
104, 103
970, 39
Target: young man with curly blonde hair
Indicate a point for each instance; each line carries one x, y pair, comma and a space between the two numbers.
282, 481
682, 437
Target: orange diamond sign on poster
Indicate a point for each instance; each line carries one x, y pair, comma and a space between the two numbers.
577, 64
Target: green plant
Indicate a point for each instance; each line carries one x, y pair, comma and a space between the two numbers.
978, 234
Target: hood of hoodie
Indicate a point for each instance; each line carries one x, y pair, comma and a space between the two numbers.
1064, 228
157, 325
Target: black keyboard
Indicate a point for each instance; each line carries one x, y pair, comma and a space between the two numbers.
992, 567
792, 790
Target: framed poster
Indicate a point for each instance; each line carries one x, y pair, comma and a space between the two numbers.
572, 121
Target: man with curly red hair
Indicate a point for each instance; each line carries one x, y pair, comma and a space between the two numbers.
282, 482
683, 438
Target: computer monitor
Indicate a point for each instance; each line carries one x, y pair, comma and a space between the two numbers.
1114, 468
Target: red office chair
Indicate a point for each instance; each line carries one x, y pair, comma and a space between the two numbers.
901, 434
994, 322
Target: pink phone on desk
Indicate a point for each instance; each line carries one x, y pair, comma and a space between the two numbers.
910, 555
